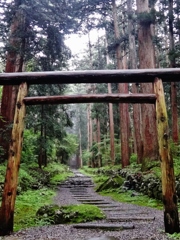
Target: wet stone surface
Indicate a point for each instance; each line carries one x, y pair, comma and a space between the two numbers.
80, 188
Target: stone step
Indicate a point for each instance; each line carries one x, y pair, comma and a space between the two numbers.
75, 186
127, 219
104, 226
77, 195
95, 202
89, 199
102, 206
104, 237
79, 192
124, 213
118, 209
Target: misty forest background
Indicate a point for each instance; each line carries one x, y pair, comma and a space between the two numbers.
129, 35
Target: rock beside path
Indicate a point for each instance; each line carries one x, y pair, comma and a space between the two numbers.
143, 229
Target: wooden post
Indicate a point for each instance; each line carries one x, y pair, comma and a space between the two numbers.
11, 180
171, 219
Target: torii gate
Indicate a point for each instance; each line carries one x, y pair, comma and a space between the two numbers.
171, 219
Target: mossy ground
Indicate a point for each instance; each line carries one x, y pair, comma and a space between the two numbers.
69, 214
127, 197
35, 188
27, 205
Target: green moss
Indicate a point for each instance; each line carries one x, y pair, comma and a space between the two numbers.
27, 205
70, 214
138, 199
175, 236
85, 212
111, 183
60, 177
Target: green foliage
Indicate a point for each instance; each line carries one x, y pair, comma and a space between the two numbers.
145, 18
175, 236
133, 158
25, 180
112, 183
175, 149
104, 152
2, 172
27, 205
67, 148
99, 179
86, 156
70, 214
138, 199
29, 152
58, 173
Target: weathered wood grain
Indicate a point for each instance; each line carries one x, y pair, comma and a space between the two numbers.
171, 219
88, 98
11, 179
91, 76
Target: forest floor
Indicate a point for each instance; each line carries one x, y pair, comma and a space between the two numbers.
123, 221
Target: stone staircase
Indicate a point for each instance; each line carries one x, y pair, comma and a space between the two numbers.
119, 216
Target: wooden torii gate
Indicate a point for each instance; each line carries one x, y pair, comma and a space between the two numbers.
171, 219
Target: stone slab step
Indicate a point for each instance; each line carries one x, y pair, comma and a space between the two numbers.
127, 219
79, 195
118, 209
104, 237
71, 187
104, 226
124, 213
104, 206
101, 203
75, 186
89, 199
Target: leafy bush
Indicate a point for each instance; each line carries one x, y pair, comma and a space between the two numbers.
133, 158
66, 148
29, 152
25, 180
58, 173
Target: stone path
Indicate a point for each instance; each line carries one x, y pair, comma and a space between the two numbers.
123, 221
116, 217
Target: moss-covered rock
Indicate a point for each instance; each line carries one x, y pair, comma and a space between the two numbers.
69, 214
110, 183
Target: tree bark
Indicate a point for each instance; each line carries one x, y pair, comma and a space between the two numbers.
171, 218
80, 150
147, 60
173, 84
99, 141
111, 128
11, 180
133, 65
14, 63
123, 88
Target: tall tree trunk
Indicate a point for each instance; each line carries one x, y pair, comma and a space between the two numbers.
91, 132
147, 60
111, 117
14, 63
111, 128
173, 84
11, 180
133, 65
41, 151
99, 141
123, 88
80, 149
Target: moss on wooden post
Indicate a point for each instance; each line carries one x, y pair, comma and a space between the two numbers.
11, 179
171, 219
